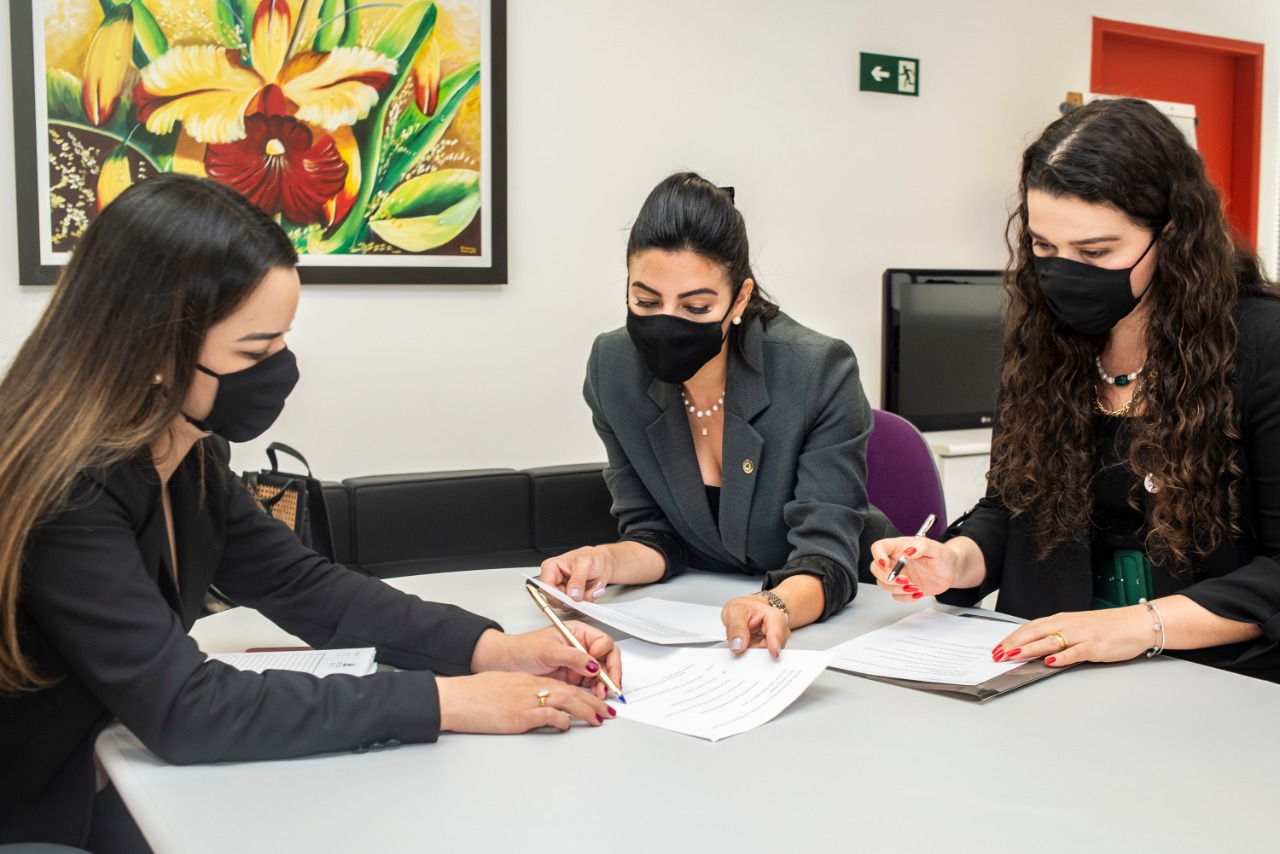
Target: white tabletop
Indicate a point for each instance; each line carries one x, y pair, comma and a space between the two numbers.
1154, 755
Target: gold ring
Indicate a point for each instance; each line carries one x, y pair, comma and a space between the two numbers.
543, 694
1062, 640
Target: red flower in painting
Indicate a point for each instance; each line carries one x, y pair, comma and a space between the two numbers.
280, 165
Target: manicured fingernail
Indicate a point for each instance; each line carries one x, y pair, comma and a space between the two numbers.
599, 719
916, 595
909, 552
901, 580
883, 562
997, 655
997, 647
1051, 659
597, 593
592, 667
1014, 652
736, 643
575, 593
910, 588
613, 713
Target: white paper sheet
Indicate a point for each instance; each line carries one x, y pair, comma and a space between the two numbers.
318, 662
654, 620
710, 693
928, 646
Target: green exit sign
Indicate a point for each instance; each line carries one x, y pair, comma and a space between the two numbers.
896, 75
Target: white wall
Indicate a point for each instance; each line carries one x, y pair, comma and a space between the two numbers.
605, 99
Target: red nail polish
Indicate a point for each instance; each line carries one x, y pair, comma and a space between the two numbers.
599, 719
613, 713
1051, 659
901, 580
910, 589
909, 552
916, 595
997, 655
998, 647
883, 562
592, 667
1014, 652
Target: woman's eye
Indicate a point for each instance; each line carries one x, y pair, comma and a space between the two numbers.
256, 357
697, 309
1042, 246
646, 303
1095, 254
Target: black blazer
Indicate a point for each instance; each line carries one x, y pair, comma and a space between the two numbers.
1239, 581
101, 616
793, 490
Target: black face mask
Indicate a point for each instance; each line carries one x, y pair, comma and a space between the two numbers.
1089, 299
674, 349
250, 401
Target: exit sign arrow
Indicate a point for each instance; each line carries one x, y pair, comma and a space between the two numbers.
893, 75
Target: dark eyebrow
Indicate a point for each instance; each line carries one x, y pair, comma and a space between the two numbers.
1088, 241
260, 336
684, 295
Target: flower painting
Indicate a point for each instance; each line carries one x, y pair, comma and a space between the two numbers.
369, 129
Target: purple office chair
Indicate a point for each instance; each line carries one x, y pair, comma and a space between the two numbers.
902, 477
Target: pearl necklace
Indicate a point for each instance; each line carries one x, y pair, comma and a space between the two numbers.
701, 412
1121, 379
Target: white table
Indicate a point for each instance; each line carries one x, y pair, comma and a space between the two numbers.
1155, 755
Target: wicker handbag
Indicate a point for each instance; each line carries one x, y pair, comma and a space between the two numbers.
295, 499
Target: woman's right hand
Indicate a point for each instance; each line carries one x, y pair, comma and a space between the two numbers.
500, 702
581, 573
932, 567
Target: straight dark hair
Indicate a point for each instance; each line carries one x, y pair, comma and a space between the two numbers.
688, 213
167, 260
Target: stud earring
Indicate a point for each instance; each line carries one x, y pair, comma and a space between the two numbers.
737, 321
157, 379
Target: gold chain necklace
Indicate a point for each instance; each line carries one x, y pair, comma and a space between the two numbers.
1125, 408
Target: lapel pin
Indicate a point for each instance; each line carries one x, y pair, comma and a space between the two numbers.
748, 467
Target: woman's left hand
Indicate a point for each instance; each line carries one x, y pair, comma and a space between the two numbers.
1110, 634
546, 653
751, 622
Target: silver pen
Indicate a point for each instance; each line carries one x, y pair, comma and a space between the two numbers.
902, 561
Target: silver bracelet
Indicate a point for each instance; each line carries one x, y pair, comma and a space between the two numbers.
1158, 628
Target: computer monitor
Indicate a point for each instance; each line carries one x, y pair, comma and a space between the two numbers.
942, 346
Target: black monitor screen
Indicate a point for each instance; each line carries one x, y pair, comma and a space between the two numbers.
942, 341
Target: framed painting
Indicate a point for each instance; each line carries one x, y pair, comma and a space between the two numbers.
373, 131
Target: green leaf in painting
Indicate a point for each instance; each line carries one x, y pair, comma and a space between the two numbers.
62, 94
148, 40
333, 25
227, 23
414, 17
430, 210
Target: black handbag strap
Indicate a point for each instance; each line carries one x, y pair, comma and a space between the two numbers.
280, 446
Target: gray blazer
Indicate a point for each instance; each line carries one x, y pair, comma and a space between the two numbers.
793, 494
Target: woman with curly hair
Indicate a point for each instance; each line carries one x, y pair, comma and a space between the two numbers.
1134, 493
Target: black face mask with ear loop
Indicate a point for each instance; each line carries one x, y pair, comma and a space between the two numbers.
1091, 300
248, 402
673, 348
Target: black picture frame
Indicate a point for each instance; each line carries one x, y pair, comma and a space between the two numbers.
30, 154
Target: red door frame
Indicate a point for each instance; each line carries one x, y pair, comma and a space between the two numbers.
1247, 154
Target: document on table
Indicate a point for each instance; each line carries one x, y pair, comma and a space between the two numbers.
654, 620
711, 693
318, 662
928, 646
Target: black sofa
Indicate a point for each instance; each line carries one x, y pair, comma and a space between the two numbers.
409, 524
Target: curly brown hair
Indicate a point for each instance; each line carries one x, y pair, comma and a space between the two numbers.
1126, 154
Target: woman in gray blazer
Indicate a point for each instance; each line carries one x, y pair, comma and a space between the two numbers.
736, 437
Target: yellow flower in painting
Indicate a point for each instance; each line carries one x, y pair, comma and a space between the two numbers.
426, 77
106, 65
210, 89
114, 178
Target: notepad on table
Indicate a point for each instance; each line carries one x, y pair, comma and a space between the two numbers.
659, 621
318, 662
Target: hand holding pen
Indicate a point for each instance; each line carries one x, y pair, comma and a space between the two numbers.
564, 630
914, 567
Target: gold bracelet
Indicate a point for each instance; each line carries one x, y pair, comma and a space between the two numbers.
776, 601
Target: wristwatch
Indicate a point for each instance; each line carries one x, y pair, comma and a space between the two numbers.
776, 601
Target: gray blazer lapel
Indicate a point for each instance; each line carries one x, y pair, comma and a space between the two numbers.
745, 397
672, 445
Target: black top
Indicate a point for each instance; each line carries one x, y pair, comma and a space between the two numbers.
713, 501
1116, 524
1239, 581
101, 615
